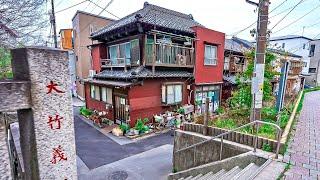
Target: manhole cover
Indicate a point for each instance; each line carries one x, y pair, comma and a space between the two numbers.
118, 175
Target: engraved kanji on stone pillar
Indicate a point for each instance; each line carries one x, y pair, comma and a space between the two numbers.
51, 112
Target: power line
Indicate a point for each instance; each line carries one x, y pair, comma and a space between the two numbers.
287, 14
297, 19
278, 6
104, 9
95, 6
97, 15
71, 6
238, 32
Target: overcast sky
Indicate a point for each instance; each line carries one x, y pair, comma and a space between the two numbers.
228, 16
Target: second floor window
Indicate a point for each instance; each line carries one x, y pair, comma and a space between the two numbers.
210, 55
312, 49
125, 53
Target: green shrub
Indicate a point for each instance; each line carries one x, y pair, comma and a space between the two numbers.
140, 125
220, 110
85, 112
267, 131
124, 128
267, 147
269, 114
226, 123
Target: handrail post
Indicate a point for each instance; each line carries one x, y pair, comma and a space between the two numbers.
256, 129
221, 147
278, 143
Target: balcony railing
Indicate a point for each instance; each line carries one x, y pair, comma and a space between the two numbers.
169, 55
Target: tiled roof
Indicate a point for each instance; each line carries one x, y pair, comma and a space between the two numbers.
153, 15
141, 72
237, 45
240, 45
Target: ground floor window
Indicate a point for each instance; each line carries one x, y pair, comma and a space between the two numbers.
101, 93
171, 94
211, 91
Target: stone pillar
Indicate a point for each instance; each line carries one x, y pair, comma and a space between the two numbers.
47, 129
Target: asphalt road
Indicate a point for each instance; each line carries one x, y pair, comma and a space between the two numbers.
95, 149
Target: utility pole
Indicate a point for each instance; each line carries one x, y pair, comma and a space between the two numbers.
53, 23
259, 62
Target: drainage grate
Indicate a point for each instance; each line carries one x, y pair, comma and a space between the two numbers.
118, 175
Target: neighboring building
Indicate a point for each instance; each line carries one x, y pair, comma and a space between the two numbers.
66, 39
84, 24
314, 78
66, 43
154, 60
295, 44
235, 63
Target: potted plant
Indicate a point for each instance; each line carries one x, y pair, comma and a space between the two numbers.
124, 128
139, 126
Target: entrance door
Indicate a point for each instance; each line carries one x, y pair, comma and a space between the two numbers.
121, 109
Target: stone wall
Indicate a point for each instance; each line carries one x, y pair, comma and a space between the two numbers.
201, 154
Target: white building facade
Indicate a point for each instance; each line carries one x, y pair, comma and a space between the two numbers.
314, 74
298, 45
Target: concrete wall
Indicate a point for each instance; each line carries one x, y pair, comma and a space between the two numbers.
201, 154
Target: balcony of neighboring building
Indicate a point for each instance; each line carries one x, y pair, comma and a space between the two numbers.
169, 50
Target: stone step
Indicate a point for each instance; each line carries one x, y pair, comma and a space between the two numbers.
231, 173
246, 172
197, 177
258, 170
204, 177
188, 178
216, 175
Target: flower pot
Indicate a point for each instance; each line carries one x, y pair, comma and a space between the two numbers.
136, 132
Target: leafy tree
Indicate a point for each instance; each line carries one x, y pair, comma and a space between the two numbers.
242, 98
22, 22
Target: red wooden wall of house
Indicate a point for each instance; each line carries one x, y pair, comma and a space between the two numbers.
145, 100
95, 104
208, 73
98, 52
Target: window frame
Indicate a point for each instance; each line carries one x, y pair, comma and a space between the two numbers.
92, 91
164, 91
315, 70
312, 50
213, 59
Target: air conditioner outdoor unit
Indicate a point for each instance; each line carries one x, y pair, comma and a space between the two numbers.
92, 73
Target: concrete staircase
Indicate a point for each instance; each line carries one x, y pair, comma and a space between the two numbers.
247, 173
245, 166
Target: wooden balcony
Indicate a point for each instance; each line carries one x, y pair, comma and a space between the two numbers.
118, 62
168, 55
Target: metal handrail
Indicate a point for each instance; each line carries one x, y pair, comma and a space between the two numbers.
256, 122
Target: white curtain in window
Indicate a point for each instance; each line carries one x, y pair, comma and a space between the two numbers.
92, 91
97, 93
104, 94
170, 94
109, 96
163, 89
178, 93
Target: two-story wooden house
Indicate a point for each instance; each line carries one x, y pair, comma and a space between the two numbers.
154, 60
